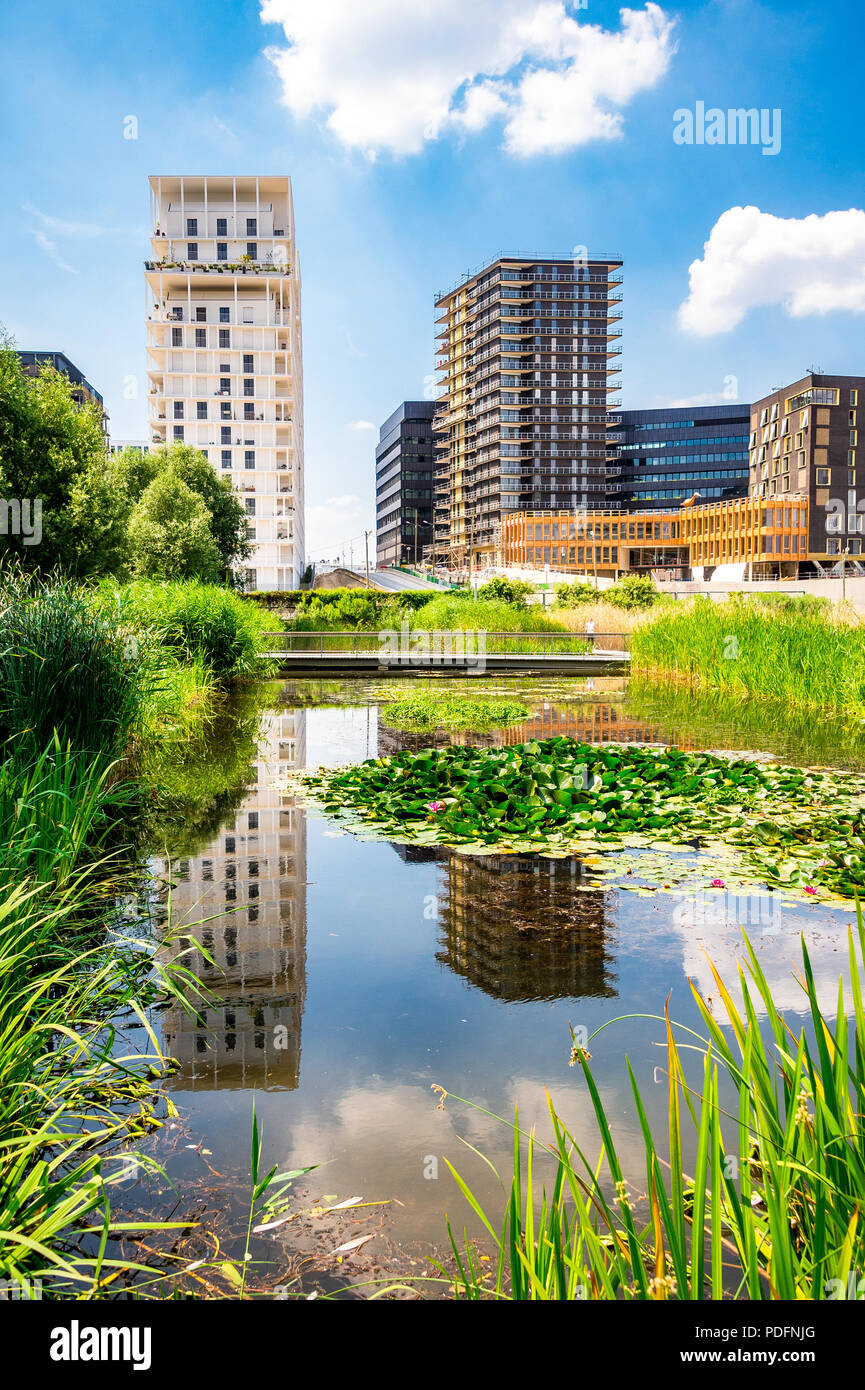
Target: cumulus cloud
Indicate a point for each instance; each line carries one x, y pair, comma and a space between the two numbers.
393, 75
361, 425
808, 265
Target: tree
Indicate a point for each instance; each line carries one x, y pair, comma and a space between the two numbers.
52, 448
227, 516
169, 533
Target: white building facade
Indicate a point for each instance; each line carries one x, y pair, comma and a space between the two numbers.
225, 352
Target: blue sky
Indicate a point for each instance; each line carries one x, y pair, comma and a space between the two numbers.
423, 139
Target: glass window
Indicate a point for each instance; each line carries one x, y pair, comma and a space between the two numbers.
192, 251
222, 226
222, 250
226, 458
225, 314
177, 337
192, 226
252, 226
252, 250
201, 410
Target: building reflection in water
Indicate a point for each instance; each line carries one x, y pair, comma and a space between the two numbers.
520, 927
250, 883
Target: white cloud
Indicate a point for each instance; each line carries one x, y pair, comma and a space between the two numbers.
361, 425
808, 265
51, 251
393, 75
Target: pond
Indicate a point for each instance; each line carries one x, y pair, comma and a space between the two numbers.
350, 977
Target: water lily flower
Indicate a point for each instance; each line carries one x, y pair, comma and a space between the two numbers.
718, 883
809, 888
436, 805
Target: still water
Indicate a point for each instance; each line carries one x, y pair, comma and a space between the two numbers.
351, 976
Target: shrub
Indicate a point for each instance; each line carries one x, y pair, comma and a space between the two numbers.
508, 590
633, 591
573, 595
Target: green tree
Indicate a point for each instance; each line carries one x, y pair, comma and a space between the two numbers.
169, 532
227, 516
53, 449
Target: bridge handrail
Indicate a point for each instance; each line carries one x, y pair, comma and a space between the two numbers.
495, 643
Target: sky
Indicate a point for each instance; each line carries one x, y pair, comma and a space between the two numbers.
424, 138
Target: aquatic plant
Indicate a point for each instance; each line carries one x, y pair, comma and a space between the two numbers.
803, 655
782, 826
773, 1207
424, 711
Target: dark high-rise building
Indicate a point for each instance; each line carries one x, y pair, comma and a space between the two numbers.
404, 462
528, 348
658, 458
804, 444
82, 389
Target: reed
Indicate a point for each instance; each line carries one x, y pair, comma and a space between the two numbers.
773, 1208
802, 654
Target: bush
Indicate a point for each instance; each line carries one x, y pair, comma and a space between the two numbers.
574, 595
508, 590
633, 592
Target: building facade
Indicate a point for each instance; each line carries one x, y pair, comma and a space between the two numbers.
804, 439
528, 354
224, 348
658, 458
404, 466
765, 539
82, 389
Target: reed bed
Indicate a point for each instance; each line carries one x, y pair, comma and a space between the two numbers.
807, 655
773, 1208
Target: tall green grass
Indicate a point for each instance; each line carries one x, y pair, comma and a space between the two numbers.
195, 622
774, 1206
461, 613
805, 655
66, 670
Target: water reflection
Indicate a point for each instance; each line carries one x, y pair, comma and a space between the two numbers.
244, 900
523, 928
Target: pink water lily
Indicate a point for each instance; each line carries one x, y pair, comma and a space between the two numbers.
436, 805
809, 888
718, 883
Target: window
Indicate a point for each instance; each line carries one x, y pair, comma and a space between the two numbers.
822, 477
178, 431
177, 337
225, 385
222, 250
252, 226
192, 251
250, 506
226, 458
225, 337
225, 434
248, 386
252, 250
225, 314
201, 410
225, 410
249, 410
249, 458
178, 410
222, 226
854, 397
247, 362
201, 337
192, 226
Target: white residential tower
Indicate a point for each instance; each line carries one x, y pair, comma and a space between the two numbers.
225, 363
